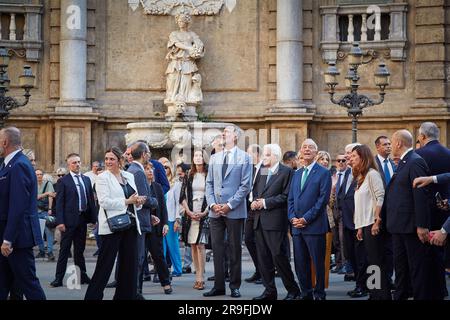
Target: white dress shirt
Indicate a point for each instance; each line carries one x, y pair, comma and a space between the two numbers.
75, 180
389, 165
272, 170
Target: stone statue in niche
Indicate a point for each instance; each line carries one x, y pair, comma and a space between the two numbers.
183, 82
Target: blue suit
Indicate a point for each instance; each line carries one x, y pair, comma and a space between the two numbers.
309, 242
160, 175
19, 224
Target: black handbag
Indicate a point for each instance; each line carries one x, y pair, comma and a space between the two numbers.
50, 222
205, 235
119, 223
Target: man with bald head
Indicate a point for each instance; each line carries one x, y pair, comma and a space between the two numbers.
19, 222
407, 215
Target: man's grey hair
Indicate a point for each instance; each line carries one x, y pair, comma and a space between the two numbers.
274, 150
350, 146
429, 130
13, 136
311, 141
236, 130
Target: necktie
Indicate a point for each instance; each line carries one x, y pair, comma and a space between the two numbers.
269, 175
338, 184
225, 165
304, 177
82, 194
387, 174
2, 166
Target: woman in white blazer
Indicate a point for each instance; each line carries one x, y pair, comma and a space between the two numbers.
117, 194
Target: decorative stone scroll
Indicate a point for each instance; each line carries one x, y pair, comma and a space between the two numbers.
173, 7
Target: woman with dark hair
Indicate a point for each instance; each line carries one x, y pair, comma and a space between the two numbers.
117, 194
369, 197
193, 200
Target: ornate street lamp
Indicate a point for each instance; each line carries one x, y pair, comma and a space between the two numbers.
354, 102
26, 82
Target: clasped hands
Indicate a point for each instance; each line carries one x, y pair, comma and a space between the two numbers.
196, 216
6, 249
258, 204
298, 222
221, 209
136, 200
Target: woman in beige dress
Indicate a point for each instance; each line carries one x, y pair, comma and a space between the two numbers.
194, 203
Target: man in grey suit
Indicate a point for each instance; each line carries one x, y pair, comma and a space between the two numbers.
141, 154
227, 186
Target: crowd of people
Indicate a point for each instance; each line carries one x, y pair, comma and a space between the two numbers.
380, 220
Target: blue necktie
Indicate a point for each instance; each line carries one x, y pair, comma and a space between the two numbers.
387, 174
304, 177
82, 194
269, 175
338, 184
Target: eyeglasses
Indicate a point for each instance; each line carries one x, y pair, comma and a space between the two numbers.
61, 175
341, 160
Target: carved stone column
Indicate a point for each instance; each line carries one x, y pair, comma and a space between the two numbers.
73, 52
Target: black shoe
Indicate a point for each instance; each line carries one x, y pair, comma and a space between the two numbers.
168, 291
293, 296
235, 293
50, 257
95, 253
212, 278
153, 271
349, 277
139, 296
320, 298
147, 278
85, 279
213, 292
258, 281
253, 278
40, 255
56, 283
308, 297
112, 284
358, 293
336, 269
266, 297
155, 278
187, 270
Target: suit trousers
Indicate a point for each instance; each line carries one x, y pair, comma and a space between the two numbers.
355, 253
155, 244
375, 250
141, 257
19, 271
123, 245
307, 247
250, 242
234, 230
272, 253
77, 235
338, 237
389, 255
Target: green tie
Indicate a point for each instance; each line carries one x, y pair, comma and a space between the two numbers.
304, 177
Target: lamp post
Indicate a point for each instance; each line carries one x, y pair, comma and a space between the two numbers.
354, 102
26, 82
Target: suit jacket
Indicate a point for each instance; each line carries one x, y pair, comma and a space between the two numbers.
443, 178
311, 202
446, 225
112, 199
19, 222
161, 210
437, 158
275, 194
235, 186
381, 169
143, 188
345, 200
67, 202
405, 208
160, 175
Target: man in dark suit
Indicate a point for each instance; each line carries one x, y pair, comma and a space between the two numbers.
19, 222
386, 167
308, 197
75, 208
254, 152
437, 158
408, 218
141, 154
269, 205
354, 250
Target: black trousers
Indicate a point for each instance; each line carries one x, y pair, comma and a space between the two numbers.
233, 229
77, 235
375, 251
389, 253
271, 249
338, 237
124, 245
154, 243
250, 242
355, 253
414, 260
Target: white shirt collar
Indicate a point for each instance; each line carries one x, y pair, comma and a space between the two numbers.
310, 166
274, 168
140, 164
73, 174
382, 159
231, 151
404, 154
9, 157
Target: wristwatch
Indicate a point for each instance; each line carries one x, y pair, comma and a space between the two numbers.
443, 231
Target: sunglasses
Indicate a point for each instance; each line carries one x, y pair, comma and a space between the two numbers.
61, 175
341, 160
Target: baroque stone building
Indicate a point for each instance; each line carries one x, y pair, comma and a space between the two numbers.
262, 69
